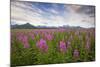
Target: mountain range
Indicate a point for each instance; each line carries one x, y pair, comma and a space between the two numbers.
29, 26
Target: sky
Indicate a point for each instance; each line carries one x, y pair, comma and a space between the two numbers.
52, 14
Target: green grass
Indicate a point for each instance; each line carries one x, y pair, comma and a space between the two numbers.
21, 56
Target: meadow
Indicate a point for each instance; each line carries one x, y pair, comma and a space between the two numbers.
52, 46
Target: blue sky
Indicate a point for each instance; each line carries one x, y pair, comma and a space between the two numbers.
52, 14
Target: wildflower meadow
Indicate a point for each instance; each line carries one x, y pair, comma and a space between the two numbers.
52, 46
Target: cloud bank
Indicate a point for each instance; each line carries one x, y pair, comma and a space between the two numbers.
52, 14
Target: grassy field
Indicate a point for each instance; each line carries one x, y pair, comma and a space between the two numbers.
51, 46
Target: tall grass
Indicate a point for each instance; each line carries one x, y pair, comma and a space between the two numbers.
51, 46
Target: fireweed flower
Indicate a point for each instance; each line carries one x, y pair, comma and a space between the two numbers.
42, 45
24, 39
49, 36
31, 35
61, 30
20, 36
76, 53
36, 33
63, 47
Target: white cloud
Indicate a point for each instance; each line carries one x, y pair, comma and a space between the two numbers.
24, 12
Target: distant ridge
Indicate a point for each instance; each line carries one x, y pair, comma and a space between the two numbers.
24, 26
29, 26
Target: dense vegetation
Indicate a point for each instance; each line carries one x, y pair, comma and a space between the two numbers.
51, 46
